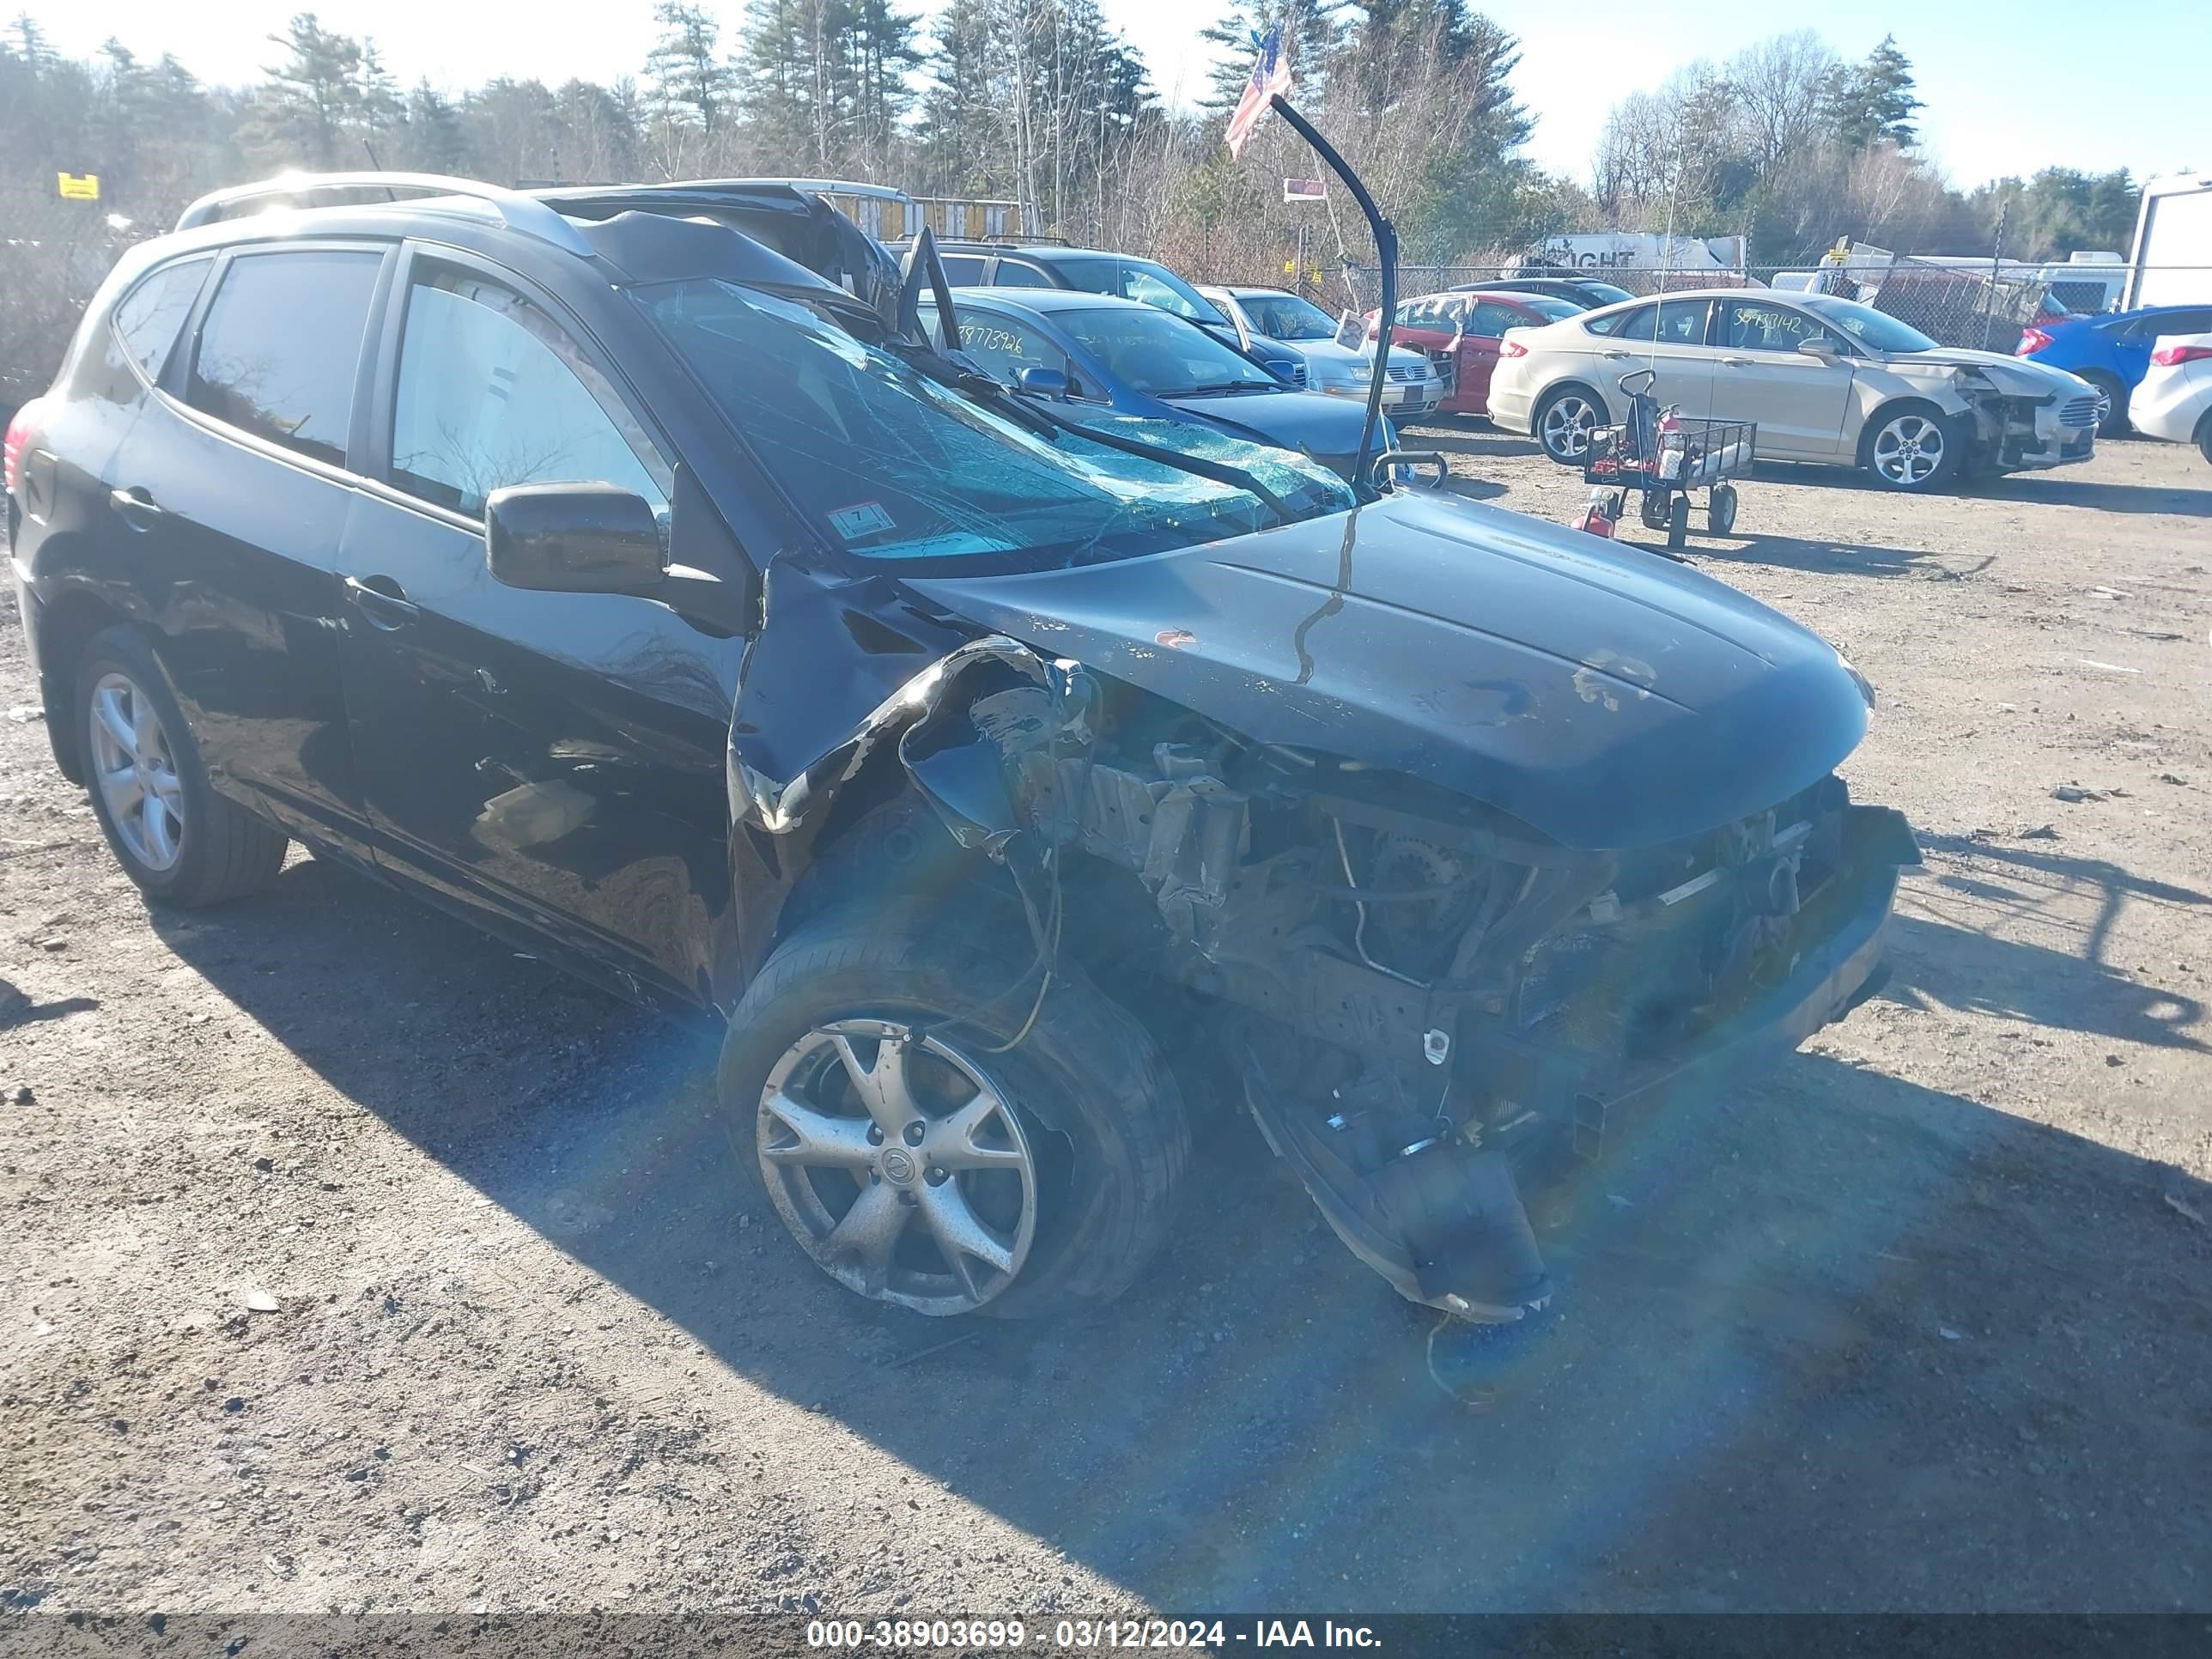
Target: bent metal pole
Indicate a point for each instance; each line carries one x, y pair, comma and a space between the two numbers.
1385, 250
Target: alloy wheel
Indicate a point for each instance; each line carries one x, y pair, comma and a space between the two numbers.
1567, 426
1908, 450
135, 772
899, 1165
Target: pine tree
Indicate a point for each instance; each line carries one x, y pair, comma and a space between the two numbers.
325, 92
689, 81
1872, 101
432, 135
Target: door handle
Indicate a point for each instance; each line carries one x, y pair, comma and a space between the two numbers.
388, 606
134, 506
1613, 354
1735, 362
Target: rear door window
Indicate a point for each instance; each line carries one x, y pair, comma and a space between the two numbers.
1492, 319
963, 269
492, 392
279, 350
1634, 325
1011, 273
151, 313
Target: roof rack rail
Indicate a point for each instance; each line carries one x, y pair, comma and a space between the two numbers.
518, 211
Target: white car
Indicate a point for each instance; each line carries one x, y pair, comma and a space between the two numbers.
2174, 399
1413, 387
1826, 379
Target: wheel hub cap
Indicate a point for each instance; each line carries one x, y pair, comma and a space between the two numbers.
899, 1165
135, 773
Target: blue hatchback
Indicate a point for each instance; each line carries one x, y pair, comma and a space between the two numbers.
2110, 352
1125, 358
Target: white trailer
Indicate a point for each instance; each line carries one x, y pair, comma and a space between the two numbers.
2171, 263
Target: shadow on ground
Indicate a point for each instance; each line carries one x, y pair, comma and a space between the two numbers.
1832, 1340
2053, 488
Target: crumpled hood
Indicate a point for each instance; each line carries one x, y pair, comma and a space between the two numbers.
1606, 696
2017, 377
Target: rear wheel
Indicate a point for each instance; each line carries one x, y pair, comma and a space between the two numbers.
1564, 418
919, 1166
181, 843
2204, 436
1913, 447
2111, 402
1677, 522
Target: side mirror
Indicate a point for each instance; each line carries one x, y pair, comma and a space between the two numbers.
573, 538
1042, 383
1819, 350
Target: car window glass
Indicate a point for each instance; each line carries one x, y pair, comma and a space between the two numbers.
151, 313
1751, 326
2177, 322
1492, 318
1157, 354
963, 269
281, 347
1628, 325
1003, 348
1013, 274
493, 392
1682, 322
1143, 286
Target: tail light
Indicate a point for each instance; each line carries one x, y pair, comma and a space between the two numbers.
2166, 356
2031, 340
18, 441
1510, 346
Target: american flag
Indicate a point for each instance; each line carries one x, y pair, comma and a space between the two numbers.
1271, 74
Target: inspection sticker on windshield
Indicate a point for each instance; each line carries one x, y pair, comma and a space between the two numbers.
866, 518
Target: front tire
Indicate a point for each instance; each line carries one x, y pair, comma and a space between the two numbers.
181, 843
1913, 448
917, 1167
1563, 420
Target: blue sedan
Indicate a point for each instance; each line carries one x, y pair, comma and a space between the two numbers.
2112, 352
1126, 358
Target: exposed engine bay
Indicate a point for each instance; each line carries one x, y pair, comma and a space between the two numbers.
1419, 995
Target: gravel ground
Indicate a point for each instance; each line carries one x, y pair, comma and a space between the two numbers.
1919, 1322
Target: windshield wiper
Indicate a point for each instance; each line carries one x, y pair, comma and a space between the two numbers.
1222, 386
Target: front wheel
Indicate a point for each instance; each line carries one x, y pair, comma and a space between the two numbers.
181, 843
1564, 420
1912, 447
1720, 510
917, 1164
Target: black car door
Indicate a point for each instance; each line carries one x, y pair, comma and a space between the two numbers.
235, 488
553, 760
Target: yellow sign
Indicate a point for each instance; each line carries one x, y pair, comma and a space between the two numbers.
78, 186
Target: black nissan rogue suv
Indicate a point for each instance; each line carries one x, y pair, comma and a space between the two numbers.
626, 572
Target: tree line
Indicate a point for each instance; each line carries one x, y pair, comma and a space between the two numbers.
1043, 104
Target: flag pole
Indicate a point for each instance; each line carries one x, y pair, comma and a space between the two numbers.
1385, 250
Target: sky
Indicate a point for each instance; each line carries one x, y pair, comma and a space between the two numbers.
2010, 85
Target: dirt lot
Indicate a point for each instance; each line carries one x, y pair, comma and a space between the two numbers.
1920, 1322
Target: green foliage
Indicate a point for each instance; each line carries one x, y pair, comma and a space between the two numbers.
2060, 210
1872, 101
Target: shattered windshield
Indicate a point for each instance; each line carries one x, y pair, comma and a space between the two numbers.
891, 465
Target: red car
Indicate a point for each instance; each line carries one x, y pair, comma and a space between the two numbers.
1459, 333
